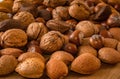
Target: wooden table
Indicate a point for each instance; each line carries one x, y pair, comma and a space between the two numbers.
106, 72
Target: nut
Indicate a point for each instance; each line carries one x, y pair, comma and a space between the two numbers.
81, 64
14, 38
87, 49
6, 66
66, 57
51, 41
11, 51
118, 47
85, 41
96, 41
36, 30
27, 55
109, 55
31, 68
41, 20
60, 13
25, 17
58, 25
113, 2
3, 16
109, 42
56, 69
72, 22
105, 33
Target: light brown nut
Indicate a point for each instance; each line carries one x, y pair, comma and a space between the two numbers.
36, 30
87, 27
109, 55
6, 66
87, 49
13, 38
82, 64
56, 69
11, 51
66, 57
25, 17
109, 42
52, 41
31, 68
27, 55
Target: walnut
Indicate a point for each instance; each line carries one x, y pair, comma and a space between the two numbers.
13, 38
3, 16
51, 41
61, 13
36, 30
54, 3
25, 17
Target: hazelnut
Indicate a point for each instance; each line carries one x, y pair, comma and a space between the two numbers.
54, 3
62, 56
82, 64
6, 66
36, 30
79, 10
3, 16
60, 13
96, 41
52, 41
31, 68
87, 49
14, 38
109, 55
110, 42
56, 69
25, 17
115, 32
27, 55
71, 48
87, 27
11, 51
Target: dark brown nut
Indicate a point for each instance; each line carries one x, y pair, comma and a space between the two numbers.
52, 41
45, 14
25, 17
58, 25
109, 42
10, 24
87, 49
27, 55
8, 64
6, 6
40, 20
114, 20
79, 10
96, 41
31, 68
71, 48
66, 57
115, 32
11, 51
87, 27
36, 30
56, 69
13, 38
54, 3
34, 48
118, 47
102, 11
113, 2
80, 64
3, 16
60, 13
109, 55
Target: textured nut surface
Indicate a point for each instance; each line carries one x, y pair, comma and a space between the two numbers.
3, 16
11, 51
31, 68
82, 64
14, 38
36, 30
6, 66
109, 55
51, 41
56, 69
62, 56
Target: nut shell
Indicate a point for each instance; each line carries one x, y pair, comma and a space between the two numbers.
3, 16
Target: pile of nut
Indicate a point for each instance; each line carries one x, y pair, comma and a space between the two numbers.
54, 37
